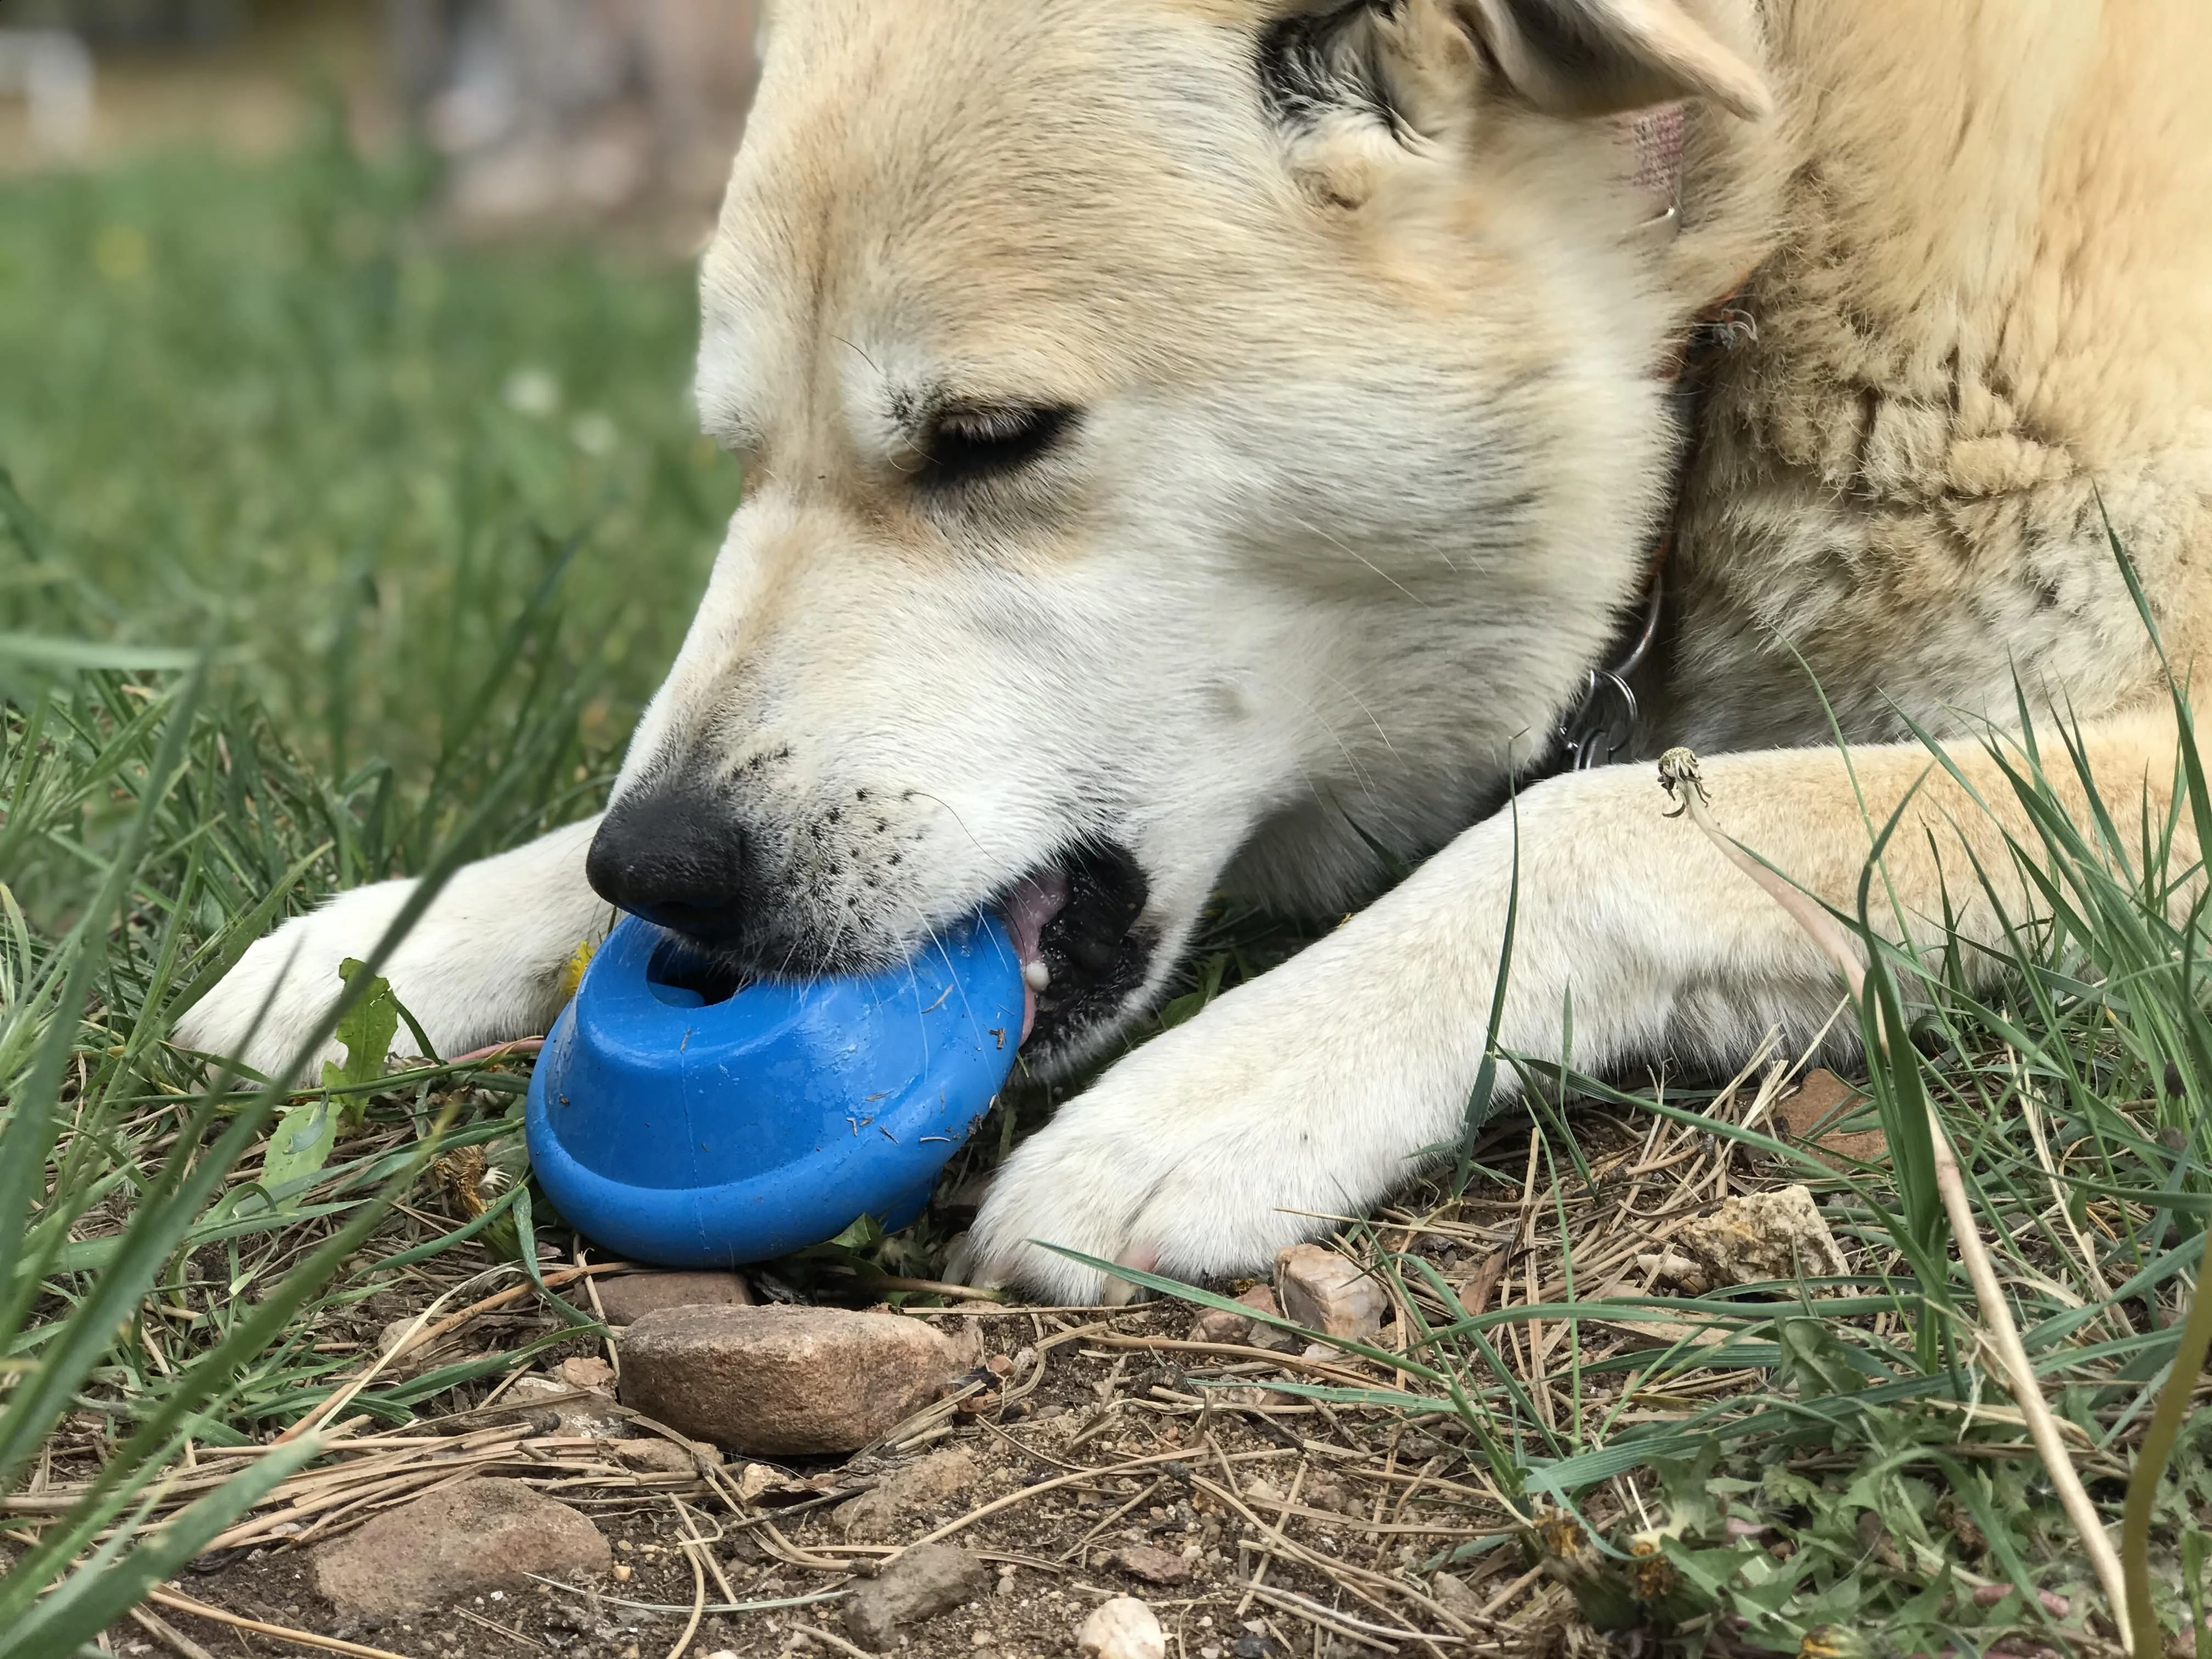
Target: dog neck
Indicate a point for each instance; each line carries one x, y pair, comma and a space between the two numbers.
1602, 724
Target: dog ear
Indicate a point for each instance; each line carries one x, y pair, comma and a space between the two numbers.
1585, 57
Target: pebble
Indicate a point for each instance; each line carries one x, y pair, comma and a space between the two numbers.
877, 1517
417, 1359
1153, 1566
627, 1297
593, 1374
1326, 1293
784, 1381
1756, 1237
479, 1536
1453, 1595
655, 1456
925, 1581
591, 1419
1219, 1325
1822, 1097
1124, 1628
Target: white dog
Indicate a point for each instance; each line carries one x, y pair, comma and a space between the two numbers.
1193, 443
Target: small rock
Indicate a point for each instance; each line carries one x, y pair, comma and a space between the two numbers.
921, 1583
1329, 1492
1154, 1566
1324, 1292
1760, 1237
1218, 1325
1479, 1286
1673, 1266
589, 1417
1453, 1595
755, 1479
479, 1536
655, 1456
595, 1375
1821, 1098
627, 1297
784, 1381
876, 1516
1124, 1628
417, 1359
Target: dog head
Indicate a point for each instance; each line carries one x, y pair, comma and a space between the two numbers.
1188, 442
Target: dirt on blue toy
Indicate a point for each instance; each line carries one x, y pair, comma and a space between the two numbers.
686, 1124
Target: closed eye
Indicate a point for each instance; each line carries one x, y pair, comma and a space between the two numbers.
970, 445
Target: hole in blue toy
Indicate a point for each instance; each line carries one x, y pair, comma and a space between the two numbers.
683, 976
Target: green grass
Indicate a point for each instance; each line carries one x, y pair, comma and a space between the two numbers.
1838, 1495
270, 404
435, 519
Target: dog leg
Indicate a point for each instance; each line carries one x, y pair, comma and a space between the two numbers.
483, 964
1316, 1090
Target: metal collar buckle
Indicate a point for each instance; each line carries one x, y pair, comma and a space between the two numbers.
1603, 724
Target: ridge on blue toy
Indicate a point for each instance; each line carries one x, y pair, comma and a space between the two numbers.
687, 1128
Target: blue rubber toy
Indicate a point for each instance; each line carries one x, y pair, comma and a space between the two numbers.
689, 1133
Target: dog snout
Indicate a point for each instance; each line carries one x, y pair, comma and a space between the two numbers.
675, 854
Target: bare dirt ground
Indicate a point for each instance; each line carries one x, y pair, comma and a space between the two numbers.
1289, 1510
1276, 1526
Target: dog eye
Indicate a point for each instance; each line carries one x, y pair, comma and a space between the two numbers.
966, 445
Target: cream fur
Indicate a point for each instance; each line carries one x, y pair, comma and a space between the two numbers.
1372, 446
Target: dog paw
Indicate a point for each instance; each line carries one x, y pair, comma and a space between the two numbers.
267, 1007
482, 965
1292, 1100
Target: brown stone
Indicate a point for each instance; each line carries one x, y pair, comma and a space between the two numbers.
1824, 1099
877, 1517
595, 1375
1219, 1325
479, 1536
784, 1381
655, 1456
927, 1580
1153, 1564
1327, 1293
627, 1297
403, 1366
1453, 1595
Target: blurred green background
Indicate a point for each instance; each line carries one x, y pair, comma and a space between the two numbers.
256, 388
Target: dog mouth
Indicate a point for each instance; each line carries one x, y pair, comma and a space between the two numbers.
1077, 925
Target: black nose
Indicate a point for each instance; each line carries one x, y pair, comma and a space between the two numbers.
673, 854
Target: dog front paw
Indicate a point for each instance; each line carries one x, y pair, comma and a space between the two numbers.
1209, 1150
266, 1010
482, 965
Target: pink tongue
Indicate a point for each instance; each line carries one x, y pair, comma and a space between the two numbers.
1027, 908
